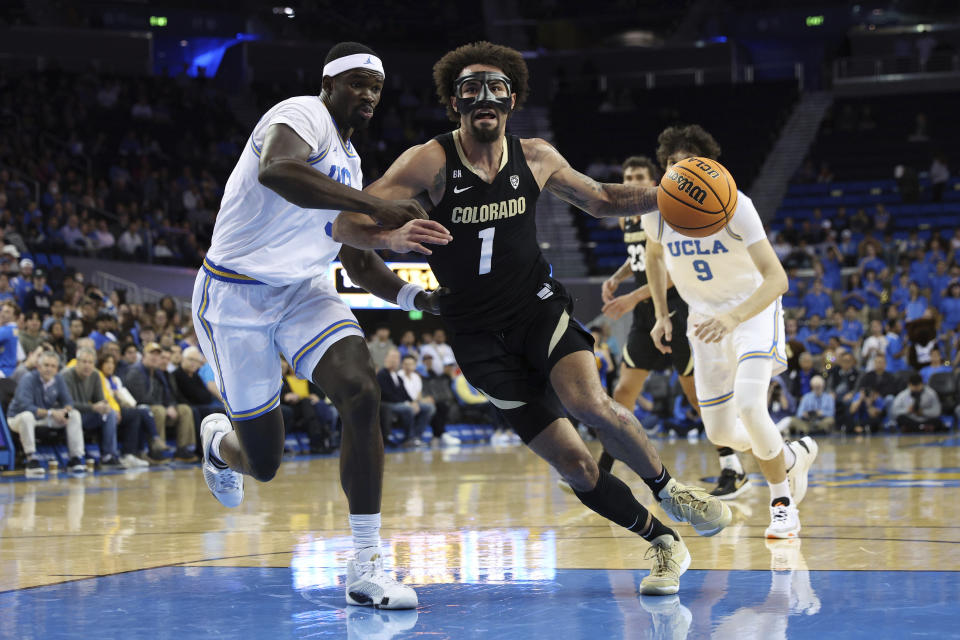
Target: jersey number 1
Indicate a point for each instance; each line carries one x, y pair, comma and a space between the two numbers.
486, 249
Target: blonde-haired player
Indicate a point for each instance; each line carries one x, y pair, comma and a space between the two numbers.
732, 282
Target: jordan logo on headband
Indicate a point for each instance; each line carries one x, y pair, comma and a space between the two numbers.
353, 61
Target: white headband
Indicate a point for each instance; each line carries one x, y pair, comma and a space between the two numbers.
353, 61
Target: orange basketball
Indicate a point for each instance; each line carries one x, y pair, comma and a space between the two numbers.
697, 197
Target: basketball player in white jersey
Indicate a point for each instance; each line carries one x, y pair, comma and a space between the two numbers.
263, 291
732, 282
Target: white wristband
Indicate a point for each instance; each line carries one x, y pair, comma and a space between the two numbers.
408, 293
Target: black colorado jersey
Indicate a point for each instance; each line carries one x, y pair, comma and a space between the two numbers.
636, 240
493, 266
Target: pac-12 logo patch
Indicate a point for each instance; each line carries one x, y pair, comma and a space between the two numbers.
514, 181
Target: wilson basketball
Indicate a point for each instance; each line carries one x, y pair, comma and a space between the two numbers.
697, 197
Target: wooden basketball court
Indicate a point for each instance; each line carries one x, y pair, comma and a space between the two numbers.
494, 546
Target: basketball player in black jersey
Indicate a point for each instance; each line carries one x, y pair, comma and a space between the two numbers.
640, 355
510, 322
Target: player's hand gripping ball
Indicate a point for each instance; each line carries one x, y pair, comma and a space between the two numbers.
697, 197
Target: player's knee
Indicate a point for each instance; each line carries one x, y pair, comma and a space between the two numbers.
752, 411
579, 469
264, 467
356, 389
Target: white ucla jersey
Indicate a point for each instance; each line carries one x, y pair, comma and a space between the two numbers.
259, 234
712, 274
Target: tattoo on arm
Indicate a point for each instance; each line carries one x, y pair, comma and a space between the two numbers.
627, 200
440, 181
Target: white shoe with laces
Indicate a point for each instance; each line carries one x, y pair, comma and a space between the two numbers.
131, 461
226, 485
784, 522
368, 585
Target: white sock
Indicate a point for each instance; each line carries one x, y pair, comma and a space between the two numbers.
366, 530
215, 450
789, 457
731, 461
780, 490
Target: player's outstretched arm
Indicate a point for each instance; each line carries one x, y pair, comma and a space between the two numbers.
284, 170
368, 270
599, 199
417, 174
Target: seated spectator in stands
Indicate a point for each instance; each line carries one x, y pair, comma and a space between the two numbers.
413, 383
812, 336
855, 296
916, 304
872, 290
23, 283
852, 327
408, 345
302, 398
842, 383
874, 344
866, 411
870, 261
440, 350
816, 412
130, 243
835, 330
936, 365
148, 384
103, 240
77, 329
58, 314
897, 346
817, 302
105, 331
879, 379
137, 430
949, 307
900, 293
42, 399
193, 388
798, 380
780, 403
795, 290
919, 270
395, 402
881, 218
379, 344
86, 390
40, 297
440, 388
6, 291
848, 248
32, 335
129, 357
58, 343
917, 408
939, 281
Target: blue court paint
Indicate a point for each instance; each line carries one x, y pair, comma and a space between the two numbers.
213, 602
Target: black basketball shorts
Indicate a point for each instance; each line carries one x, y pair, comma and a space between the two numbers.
641, 353
512, 367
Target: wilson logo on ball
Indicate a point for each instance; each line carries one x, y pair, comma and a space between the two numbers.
687, 186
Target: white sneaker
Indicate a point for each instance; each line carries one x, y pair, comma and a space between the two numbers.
450, 440
226, 485
368, 585
806, 451
784, 522
131, 461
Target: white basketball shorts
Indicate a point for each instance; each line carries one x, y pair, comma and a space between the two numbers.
244, 325
715, 364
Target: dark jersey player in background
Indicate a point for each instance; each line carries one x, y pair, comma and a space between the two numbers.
510, 323
640, 355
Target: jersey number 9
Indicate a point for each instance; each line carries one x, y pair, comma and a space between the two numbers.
703, 270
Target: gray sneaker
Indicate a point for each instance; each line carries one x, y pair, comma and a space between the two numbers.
686, 503
670, 559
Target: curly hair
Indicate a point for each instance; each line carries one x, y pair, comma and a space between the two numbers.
448, 68
692, 137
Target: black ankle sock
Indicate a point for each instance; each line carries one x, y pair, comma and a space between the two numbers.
613, 500
606, 461
658, 483
724, 451
657, 529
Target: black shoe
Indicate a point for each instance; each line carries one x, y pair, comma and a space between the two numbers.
76, 465
730, 485
34, 469
111, 462
184, 455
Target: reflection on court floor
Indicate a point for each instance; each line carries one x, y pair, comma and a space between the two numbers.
494, 547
